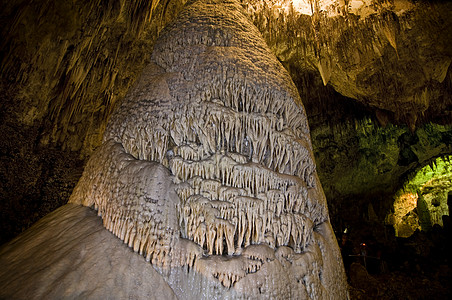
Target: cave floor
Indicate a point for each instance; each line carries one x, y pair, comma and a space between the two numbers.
400, 285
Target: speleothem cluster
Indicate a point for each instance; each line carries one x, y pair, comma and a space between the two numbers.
207, 169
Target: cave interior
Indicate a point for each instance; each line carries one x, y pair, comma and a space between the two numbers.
374, 78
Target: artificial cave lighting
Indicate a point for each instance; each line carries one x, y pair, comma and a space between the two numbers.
304, 7
405, 219
422, 202
332, 8
308, 7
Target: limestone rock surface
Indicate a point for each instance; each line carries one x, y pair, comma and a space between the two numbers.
69, 255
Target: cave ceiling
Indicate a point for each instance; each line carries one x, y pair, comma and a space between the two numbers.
393, 56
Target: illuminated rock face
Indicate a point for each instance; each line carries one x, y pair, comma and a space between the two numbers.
393, 56
207, 169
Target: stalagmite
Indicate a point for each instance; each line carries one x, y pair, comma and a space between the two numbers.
208, 164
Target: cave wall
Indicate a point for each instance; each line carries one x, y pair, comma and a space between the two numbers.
422, 202
65, 65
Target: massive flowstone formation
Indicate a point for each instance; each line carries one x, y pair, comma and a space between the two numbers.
207, 169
